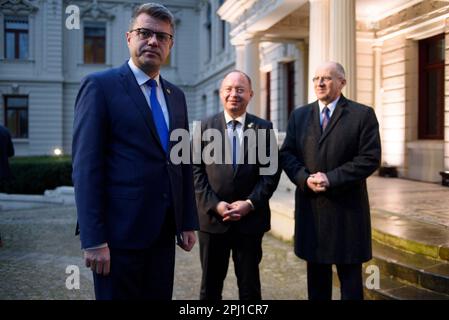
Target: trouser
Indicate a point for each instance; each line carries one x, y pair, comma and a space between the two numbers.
319, 281
215, 250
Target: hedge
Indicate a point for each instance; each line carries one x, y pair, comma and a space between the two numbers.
34, 175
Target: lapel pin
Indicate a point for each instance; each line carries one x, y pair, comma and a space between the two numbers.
168, 91
250, 125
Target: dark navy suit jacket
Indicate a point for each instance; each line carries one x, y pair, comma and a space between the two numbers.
124, 181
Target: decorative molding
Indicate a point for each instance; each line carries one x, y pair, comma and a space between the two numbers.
17, 7
405, 18
96, 11
15, 88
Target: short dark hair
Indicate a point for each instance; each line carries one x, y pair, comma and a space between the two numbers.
155, 10
243, 74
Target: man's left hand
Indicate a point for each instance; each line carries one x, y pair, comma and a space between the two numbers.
322, 181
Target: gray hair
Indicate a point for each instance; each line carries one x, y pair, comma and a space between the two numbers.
340, 70
155, 10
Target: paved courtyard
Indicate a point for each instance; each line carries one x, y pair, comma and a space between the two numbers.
39, 244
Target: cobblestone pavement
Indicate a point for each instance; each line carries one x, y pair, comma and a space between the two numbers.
39, 244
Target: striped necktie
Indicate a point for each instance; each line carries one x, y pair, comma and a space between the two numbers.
325, 121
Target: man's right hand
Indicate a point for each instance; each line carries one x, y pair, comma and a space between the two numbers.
98, 260
222, 207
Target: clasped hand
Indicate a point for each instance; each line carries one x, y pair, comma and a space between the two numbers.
318, 182
233, 211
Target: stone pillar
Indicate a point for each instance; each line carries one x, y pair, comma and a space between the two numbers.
342, 41
446, 100
252, 69
377, 86
239, 57
318, 40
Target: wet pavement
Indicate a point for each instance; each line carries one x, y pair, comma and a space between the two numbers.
39, 245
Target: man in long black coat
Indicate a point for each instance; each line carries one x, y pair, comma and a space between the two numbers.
332, 145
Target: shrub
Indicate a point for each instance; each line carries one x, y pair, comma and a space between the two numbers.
34, 175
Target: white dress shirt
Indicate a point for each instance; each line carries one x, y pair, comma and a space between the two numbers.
238, 129
331, 106
142, 78
239, 132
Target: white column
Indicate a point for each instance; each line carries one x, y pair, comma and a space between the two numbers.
239, 57
446, 101
342, 41
318, 40
377, 48
252, 69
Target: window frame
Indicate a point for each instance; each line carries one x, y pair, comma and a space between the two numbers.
16, 33
93, 24
17, 135
423, 108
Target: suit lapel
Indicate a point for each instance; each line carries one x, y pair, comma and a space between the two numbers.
334, 119
133, 90
315, 121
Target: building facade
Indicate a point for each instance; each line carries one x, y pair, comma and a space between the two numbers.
394, 52
44, 54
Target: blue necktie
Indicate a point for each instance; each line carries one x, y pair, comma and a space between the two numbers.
234, 144
158, 115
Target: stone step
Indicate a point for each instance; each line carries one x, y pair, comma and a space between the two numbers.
393, 289
410, 235
412, 268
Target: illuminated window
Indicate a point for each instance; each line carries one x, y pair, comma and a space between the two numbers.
16, 116
94, 43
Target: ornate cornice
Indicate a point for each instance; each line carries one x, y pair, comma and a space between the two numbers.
405, 18
97, 11
17, 7
94, 9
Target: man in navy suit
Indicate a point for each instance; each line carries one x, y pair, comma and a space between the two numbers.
131, 199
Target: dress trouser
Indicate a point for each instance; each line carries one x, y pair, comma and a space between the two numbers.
141, 274
215, 250
319, 281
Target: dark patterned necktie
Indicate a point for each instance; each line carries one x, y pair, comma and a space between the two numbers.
234, 144
325, 119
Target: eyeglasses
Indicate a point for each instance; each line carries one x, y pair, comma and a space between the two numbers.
145, 34
319, 79
239, 90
